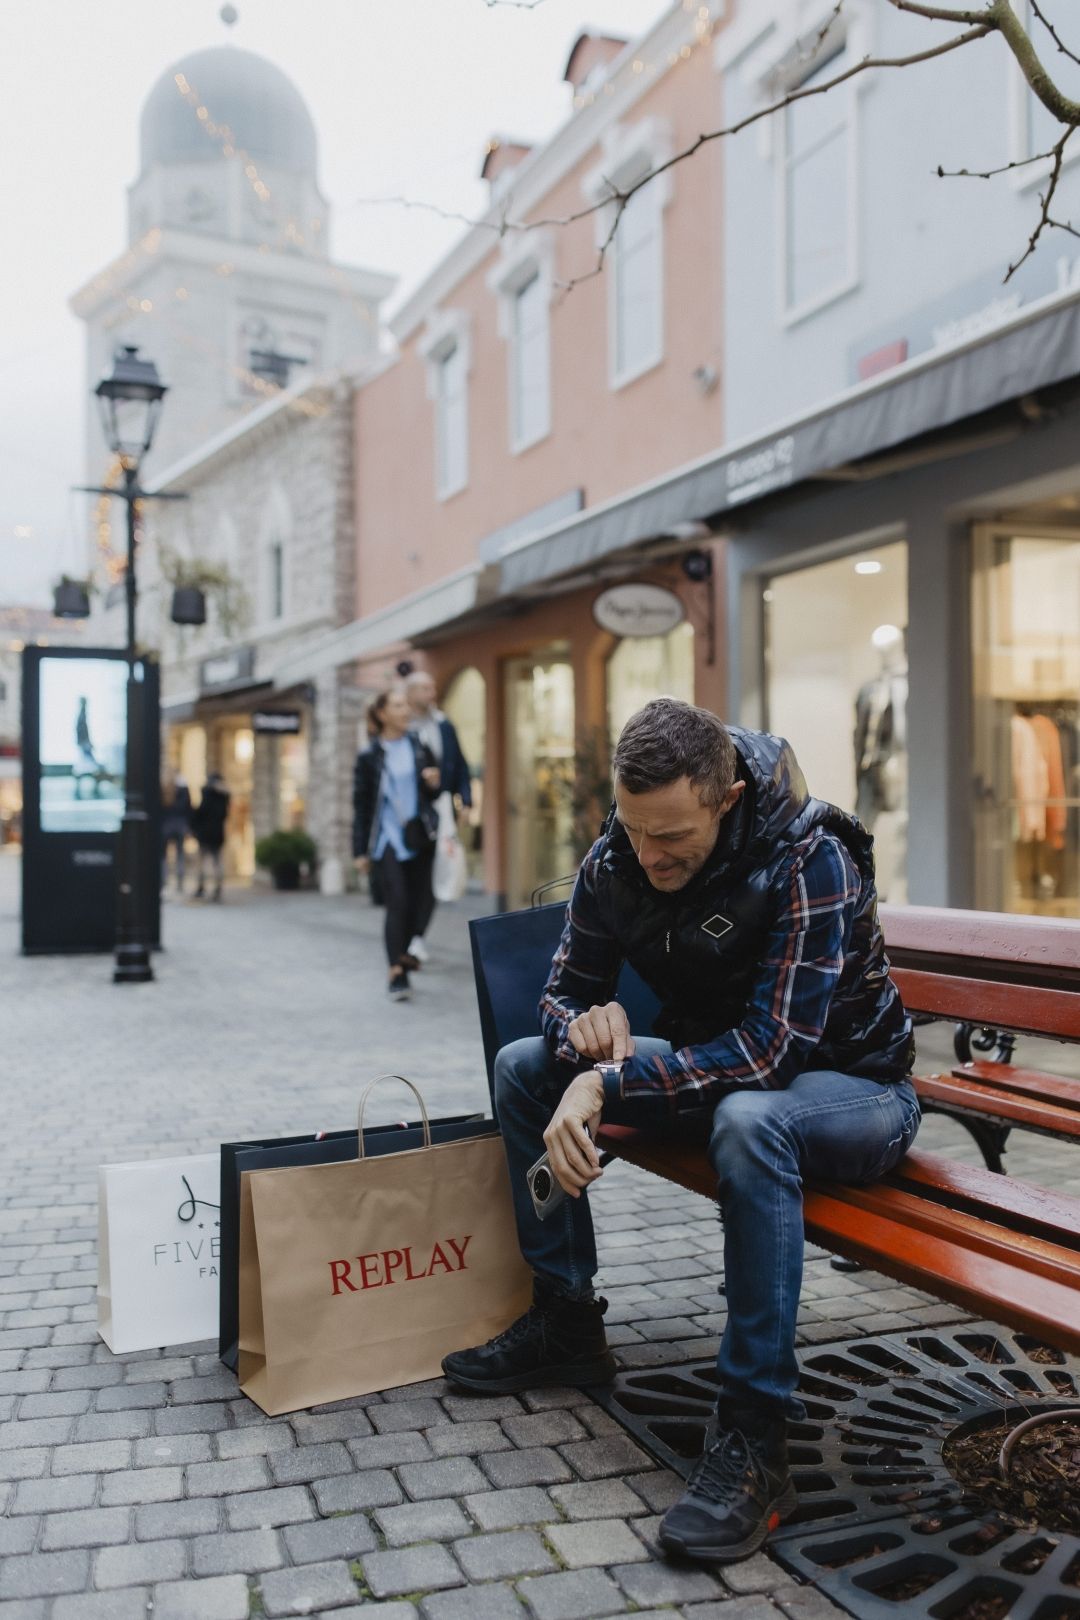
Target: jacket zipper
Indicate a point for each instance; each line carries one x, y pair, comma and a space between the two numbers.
667, 942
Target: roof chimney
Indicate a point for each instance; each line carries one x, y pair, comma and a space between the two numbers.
500, 156
588, 53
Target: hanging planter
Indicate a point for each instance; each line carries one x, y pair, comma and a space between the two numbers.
188, 605
71, 599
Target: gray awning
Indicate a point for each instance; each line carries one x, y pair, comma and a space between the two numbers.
1039, 347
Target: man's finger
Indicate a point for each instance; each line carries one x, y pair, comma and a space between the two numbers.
593, 1047
577, 1037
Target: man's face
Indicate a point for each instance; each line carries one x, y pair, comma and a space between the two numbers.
421, 691
672, 833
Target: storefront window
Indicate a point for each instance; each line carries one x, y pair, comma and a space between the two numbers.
292, 780
836, 688
645, 667
540, 770
465, 705
1026, 684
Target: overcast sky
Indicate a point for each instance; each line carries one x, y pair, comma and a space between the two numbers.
404, 94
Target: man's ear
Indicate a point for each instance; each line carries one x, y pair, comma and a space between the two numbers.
731, 798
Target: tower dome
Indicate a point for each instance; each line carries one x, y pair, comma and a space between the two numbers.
245, 100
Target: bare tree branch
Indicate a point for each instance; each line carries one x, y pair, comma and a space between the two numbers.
1044, 220
1054, 35
946, 13
1016, 38
1063, 225
990, 174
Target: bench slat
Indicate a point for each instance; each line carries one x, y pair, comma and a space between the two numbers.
1025, 1082
1001, 1198
987, 1102
1029, 944
1032, 1010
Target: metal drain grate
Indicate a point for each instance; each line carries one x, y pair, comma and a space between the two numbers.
883, 1528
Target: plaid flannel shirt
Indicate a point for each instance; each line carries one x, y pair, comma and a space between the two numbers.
816, 892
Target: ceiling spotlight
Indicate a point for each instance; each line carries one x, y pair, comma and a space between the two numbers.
868, 566
697, 565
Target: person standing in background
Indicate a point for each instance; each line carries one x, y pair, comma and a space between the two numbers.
395, 785
208, 825
438, 733
175, 824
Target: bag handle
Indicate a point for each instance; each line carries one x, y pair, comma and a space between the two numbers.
365, 1094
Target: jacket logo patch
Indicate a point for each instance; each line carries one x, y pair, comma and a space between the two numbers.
717, 926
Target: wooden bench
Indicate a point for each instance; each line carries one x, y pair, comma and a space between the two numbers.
992, 1245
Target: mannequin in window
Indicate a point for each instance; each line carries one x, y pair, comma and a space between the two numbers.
881, 759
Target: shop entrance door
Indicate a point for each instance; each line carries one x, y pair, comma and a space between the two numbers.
1026, 698
539, 770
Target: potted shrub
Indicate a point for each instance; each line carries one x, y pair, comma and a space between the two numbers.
71, 598
283, 853
194, 580
188, 605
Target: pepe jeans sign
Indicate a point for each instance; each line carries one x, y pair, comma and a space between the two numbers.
638, 609
159, 1243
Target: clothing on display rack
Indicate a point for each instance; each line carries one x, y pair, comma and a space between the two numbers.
1045, 751
881, 768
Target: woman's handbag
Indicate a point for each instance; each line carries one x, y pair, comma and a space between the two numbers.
419, 833
362, 1275
449, 874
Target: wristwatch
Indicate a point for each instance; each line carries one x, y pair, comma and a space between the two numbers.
611, 1074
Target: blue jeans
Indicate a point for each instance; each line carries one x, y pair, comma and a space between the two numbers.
839, 1127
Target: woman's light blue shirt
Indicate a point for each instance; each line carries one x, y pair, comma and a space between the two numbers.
399, 799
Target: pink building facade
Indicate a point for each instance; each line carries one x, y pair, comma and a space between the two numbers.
543, 370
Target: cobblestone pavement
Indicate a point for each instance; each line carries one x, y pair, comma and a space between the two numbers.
146, 1483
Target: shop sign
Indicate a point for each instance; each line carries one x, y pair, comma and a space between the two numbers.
638, 609
277, 722
226, 669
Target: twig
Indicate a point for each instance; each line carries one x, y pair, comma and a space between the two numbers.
1054, 35
990, 174
1044, 204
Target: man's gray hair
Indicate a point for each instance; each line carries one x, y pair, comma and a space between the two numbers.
667, 740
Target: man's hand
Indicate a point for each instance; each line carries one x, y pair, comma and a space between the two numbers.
572, 1155
361, 863
602, 1032
430, 776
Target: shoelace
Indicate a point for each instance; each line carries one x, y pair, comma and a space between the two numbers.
517, 1330
721, 1471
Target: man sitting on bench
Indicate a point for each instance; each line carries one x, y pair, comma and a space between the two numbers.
750, 909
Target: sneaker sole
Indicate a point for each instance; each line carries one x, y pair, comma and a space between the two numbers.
782, 1507
569, 1375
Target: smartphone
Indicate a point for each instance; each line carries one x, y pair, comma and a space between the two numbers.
544, 1190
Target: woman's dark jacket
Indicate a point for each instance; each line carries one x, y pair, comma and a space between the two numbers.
702, 950
367, 776
208, 820
176, 814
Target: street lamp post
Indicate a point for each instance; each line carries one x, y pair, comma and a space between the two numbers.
130, 403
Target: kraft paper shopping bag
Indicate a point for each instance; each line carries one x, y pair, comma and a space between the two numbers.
158, 1252
362, 1275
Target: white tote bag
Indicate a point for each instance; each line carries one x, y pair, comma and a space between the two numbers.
448, 874
158, 1243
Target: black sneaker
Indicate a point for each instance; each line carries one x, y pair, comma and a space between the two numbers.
399, 988
558, 1341
739, 1491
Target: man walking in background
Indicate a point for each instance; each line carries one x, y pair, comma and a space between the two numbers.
434, 729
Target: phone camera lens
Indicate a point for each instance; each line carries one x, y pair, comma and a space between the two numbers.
542, 1186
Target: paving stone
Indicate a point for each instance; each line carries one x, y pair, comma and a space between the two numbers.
139, 1485
390, 1450
575, 1594
491, 1602
175, 1448
739, 1608
600, 1499
345, 1537
45, 1574
127, 1605
804, 1603
310, 1590
470, 1408
595, 1541
164, 1368
232, 1443
264, 1510
18, 1535
225, 1478
60, 1403
23, 1464
593, 1459
537, 1466
549, 1400
346, 1493
660, 1489
440, 1520
101, 1457
450, 1476
55, 1495
191, 1420
226, 1598
306, 1463
311, 1429
413, 1569
756, 1574
90, 1527
220, 1386
49, 1431
504, 1510
129, 1397
235, 1552
199, 1516
503, 1555
418, 1391
139, 1563
388, 1611
112, 1426
408, 1414
543, 1428
467, 1439
652, 1583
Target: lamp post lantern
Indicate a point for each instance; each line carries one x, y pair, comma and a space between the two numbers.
130, 404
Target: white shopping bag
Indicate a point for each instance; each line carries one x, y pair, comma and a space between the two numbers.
448, 873
158, 1242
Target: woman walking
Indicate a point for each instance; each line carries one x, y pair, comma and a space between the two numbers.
395, 785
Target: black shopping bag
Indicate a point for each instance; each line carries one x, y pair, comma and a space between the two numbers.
275, 1153
512, 954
